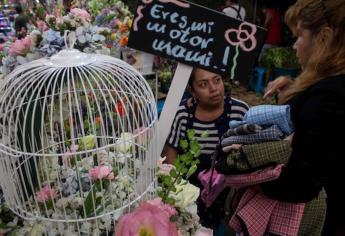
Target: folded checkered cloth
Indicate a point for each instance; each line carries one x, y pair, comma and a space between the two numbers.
257, 177
242, 129
314, 216
214, 183
257, 214
267, 115
272, 133
253, 209
254, 156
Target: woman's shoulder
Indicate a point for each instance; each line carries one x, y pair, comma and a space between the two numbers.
333, 85
237, 103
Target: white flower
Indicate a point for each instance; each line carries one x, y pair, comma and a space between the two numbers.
124, 143
186, 194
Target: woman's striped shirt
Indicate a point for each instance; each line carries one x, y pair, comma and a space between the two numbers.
209, 143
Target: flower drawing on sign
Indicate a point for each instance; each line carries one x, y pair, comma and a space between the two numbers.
243, 36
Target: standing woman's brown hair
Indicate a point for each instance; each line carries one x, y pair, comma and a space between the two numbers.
326, 21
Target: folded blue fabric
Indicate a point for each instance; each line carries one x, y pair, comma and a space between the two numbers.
267, 115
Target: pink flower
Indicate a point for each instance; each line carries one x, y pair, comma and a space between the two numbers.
149, 220
164, 169
84, 15
46, 193
204, 232
41, 25
20, 47
101, 172
170, 210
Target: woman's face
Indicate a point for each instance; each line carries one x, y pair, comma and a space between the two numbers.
304, 45
208, 88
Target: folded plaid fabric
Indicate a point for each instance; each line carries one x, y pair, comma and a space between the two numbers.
272, 133
257, 214
268, 115
242, 129
314, 216
262, 154
254, 156
257, 177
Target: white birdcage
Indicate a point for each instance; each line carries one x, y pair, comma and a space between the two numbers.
78, 144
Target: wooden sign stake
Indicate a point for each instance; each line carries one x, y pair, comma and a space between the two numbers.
172, 102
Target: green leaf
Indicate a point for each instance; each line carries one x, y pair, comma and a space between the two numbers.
173, 173
204, 134
88, 203
191, 134
191, 171
184, 144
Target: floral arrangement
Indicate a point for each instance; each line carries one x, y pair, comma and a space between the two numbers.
48, 39
174, 212
116, 17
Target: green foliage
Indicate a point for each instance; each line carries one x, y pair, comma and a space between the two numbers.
185, 165
282, 57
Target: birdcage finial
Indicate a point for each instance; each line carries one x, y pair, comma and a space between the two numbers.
70, 39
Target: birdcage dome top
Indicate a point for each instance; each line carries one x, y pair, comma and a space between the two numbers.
94, 94
71, 58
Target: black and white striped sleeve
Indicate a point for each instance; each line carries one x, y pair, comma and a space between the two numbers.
178, 127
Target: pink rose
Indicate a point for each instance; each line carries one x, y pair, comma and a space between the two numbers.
170, 210
84, 15
101, 172
146, 220
45, 194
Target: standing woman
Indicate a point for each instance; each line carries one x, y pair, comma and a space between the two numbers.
317, 99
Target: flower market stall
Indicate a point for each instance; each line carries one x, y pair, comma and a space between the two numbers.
78, 152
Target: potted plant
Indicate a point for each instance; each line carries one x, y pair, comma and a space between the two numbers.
280, 61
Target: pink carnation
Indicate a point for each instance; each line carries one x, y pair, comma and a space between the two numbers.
20, 47
170, 210
81, 14
46, 193
101, 172
148, 219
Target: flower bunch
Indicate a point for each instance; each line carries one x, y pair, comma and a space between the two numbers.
21, 47
119, 19
175, 211
76, 18
46, 194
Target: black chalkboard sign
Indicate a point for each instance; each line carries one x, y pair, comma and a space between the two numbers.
196, 36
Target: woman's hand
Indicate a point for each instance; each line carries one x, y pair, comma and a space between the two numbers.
277, 85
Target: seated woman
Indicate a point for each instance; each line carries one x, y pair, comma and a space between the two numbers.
208, 110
